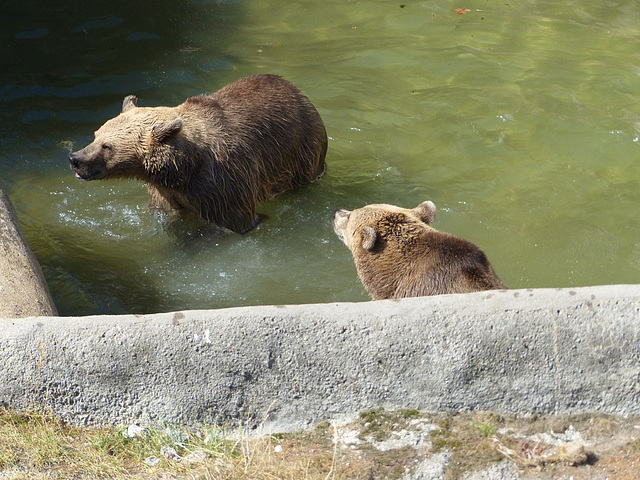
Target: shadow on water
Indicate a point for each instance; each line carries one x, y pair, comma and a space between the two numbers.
65, 68
109, 284
93, 276
70, 63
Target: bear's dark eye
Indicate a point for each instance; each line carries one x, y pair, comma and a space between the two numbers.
106, 147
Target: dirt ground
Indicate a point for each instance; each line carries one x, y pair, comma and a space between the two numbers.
412, 445
375, 445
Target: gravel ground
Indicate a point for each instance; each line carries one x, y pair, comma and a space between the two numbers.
487, 446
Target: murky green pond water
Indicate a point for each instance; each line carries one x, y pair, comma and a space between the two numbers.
520, 120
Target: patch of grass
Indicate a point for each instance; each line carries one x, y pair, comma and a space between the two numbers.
410, 413
46, 447
444, 438
468, 439
37, 445
378, 424
635, 445
38, 440
485, 429
392, 463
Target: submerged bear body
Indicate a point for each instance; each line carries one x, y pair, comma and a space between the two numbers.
398, 254
216, 155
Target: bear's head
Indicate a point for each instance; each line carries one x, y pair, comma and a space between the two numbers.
124, 145
367, 227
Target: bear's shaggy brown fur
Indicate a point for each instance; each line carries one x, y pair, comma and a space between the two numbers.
398, 254
216, 155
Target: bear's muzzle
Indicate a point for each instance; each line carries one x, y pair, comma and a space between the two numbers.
85, 170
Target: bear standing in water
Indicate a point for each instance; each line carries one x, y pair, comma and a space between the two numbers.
398, 254
215, 155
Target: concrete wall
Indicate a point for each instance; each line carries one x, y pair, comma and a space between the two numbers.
23, 290
548, 351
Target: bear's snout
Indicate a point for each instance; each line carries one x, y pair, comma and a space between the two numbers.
73, 159
340, 213
85, 165
340, 220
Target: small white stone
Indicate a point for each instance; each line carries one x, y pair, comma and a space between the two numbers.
278, 449
197, 456
134, 431
171, 454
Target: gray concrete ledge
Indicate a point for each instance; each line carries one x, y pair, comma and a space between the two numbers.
23, 290
545, 351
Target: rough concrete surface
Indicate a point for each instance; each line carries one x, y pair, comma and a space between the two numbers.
23, 290
561, 351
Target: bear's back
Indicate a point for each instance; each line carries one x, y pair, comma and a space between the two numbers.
450, 264
264, 96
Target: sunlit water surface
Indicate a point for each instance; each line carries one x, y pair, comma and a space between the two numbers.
520, 120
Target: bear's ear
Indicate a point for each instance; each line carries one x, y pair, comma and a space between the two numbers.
129, 102
162, 130
369, 236
426, 211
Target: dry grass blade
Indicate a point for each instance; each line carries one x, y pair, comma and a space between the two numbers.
335, 454
513, 456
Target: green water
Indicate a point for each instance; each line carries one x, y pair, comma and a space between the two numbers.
520, 120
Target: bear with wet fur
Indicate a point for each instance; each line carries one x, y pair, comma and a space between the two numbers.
398, 254
215, 155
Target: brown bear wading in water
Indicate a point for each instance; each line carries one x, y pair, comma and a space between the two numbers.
216, 155
398, 254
